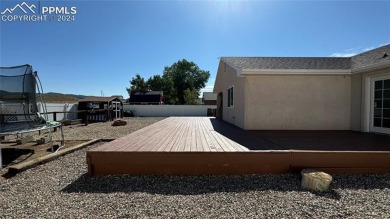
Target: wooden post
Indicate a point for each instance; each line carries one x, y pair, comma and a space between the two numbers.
86, 117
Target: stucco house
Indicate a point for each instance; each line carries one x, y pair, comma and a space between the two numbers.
306, 93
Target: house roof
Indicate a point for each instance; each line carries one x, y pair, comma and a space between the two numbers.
98, 99
209, 96
154, 93
375, 59
288, 62
159, 93
151, 97
375, 56
365, 59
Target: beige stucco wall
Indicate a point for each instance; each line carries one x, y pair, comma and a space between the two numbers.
227, 77
297, 102
356, 102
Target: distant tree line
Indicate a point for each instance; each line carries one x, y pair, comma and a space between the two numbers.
180, 82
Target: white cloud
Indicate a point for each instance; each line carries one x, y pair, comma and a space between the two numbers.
384, 44
209, 87
369, 48
354, 51
340, 54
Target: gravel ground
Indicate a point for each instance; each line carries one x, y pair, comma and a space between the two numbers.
102, 129
61, 189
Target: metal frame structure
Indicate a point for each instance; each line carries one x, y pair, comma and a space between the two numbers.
40, 122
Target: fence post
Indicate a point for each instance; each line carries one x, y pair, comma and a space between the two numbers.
86, 117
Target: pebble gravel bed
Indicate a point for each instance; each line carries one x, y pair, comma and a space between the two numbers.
102, 130
61, 189
106, 130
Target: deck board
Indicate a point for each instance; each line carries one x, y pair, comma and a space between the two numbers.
202, 145
175, 134
169, 139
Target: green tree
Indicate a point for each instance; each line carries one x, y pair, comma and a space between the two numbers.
191, 97
180, 83
186, 75
158, 83
138, 84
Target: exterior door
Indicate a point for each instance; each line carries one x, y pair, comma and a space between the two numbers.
116, 109
380, 104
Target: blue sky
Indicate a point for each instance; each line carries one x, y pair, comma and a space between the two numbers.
111, 41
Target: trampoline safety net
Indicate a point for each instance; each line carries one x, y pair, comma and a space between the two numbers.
18, 100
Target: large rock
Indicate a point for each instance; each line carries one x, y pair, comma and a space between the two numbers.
315, 180
119, 122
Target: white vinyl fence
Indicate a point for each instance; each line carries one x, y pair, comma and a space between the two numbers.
67, 111
168, 110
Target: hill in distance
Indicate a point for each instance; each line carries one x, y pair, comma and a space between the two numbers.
52, 97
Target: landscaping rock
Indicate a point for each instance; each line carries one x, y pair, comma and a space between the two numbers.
119, 122
315, 180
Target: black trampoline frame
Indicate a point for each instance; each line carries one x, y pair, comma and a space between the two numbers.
41, 123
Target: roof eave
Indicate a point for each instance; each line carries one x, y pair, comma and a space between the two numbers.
296, 71
374, 67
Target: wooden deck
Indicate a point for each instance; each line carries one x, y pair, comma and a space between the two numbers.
200, 145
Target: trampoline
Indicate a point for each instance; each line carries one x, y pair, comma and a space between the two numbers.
20, 95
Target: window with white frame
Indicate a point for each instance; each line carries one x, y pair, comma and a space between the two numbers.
230, 97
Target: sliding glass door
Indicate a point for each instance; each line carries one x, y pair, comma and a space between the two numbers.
380, 105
